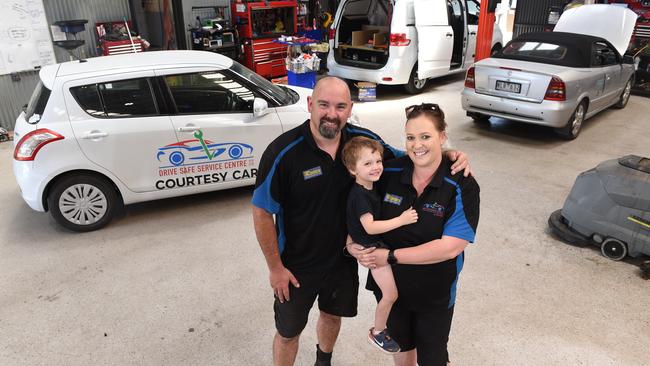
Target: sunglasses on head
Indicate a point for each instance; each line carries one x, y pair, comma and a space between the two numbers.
421, 107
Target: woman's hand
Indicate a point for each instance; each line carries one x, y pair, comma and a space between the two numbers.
374, 259
358, 251
461, 162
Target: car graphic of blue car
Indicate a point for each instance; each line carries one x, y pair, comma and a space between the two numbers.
190, 152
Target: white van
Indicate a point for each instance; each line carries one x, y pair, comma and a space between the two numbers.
404, 42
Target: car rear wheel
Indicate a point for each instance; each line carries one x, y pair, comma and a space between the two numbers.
479, 117
625, 95
82, 202
613, 249
574, 124
415, 85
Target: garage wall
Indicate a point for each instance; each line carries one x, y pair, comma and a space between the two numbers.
14, 94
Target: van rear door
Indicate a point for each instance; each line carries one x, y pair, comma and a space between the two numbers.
435, 37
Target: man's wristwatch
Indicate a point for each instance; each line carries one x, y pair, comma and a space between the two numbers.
392, 260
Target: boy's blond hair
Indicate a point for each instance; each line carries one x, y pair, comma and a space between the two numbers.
352, 150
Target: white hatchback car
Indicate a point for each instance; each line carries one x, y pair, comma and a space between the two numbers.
139, 127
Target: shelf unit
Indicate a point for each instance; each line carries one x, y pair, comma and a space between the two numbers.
218, 35
255, 22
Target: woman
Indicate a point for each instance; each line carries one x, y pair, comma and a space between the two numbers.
426, 256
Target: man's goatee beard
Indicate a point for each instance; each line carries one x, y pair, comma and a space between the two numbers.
329, 133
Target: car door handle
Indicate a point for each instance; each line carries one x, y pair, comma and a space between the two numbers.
188, 129
449, 35
94, 135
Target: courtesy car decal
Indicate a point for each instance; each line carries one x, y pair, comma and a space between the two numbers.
201, 161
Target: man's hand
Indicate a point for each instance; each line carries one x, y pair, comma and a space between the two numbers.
461, 162
280, 279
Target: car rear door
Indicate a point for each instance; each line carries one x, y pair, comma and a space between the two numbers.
220, 138
435, 37
119, 125
473, 7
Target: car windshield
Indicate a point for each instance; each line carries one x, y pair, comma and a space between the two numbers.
37, 103
279, 94
541, 50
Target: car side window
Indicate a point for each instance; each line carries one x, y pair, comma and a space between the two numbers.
454, 11
473, 9
116, 99
603, 55
209, 92
88, 98
126, 98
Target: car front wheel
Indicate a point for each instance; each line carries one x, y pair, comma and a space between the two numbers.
82, 202
572, 128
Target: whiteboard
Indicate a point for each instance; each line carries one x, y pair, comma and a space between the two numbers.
24, 36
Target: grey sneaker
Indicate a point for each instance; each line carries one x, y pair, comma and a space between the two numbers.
383, 341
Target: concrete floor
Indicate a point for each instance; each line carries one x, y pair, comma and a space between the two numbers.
183, 282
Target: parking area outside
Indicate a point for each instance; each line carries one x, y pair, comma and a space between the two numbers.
182, 281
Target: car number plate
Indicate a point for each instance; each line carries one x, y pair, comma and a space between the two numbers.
508, 87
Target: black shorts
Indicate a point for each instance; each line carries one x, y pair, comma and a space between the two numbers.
425, 331
337, 295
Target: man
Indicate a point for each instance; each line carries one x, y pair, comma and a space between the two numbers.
303, 182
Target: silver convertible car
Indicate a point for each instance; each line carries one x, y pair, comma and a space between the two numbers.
558, 78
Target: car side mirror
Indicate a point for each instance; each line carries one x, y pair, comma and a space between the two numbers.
260, 107
628, 59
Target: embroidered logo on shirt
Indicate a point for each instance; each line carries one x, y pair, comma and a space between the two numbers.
394, 199
435, 209
312, 173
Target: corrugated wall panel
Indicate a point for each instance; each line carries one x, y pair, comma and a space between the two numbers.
535, 11
13, 95
92, 10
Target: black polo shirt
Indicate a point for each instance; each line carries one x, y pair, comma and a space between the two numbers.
360, 202
307, 192
449, 206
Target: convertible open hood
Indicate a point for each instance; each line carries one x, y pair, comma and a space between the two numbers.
611, 22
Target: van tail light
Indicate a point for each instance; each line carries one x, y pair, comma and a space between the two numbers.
332, 33
556, 90
469, 78
399, 39
28, 146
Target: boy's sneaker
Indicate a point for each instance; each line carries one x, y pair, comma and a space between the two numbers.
383, 341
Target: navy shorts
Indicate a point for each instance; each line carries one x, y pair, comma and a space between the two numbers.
336, 291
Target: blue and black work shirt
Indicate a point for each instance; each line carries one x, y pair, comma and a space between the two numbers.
449, 205
307, 192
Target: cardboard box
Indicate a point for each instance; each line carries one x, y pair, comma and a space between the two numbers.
379, 39
360, 38
367, 91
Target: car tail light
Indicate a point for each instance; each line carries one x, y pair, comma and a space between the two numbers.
556, 90
332, 33
399, 39
28, 146
469, 78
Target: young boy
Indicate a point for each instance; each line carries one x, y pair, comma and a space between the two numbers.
362, 158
